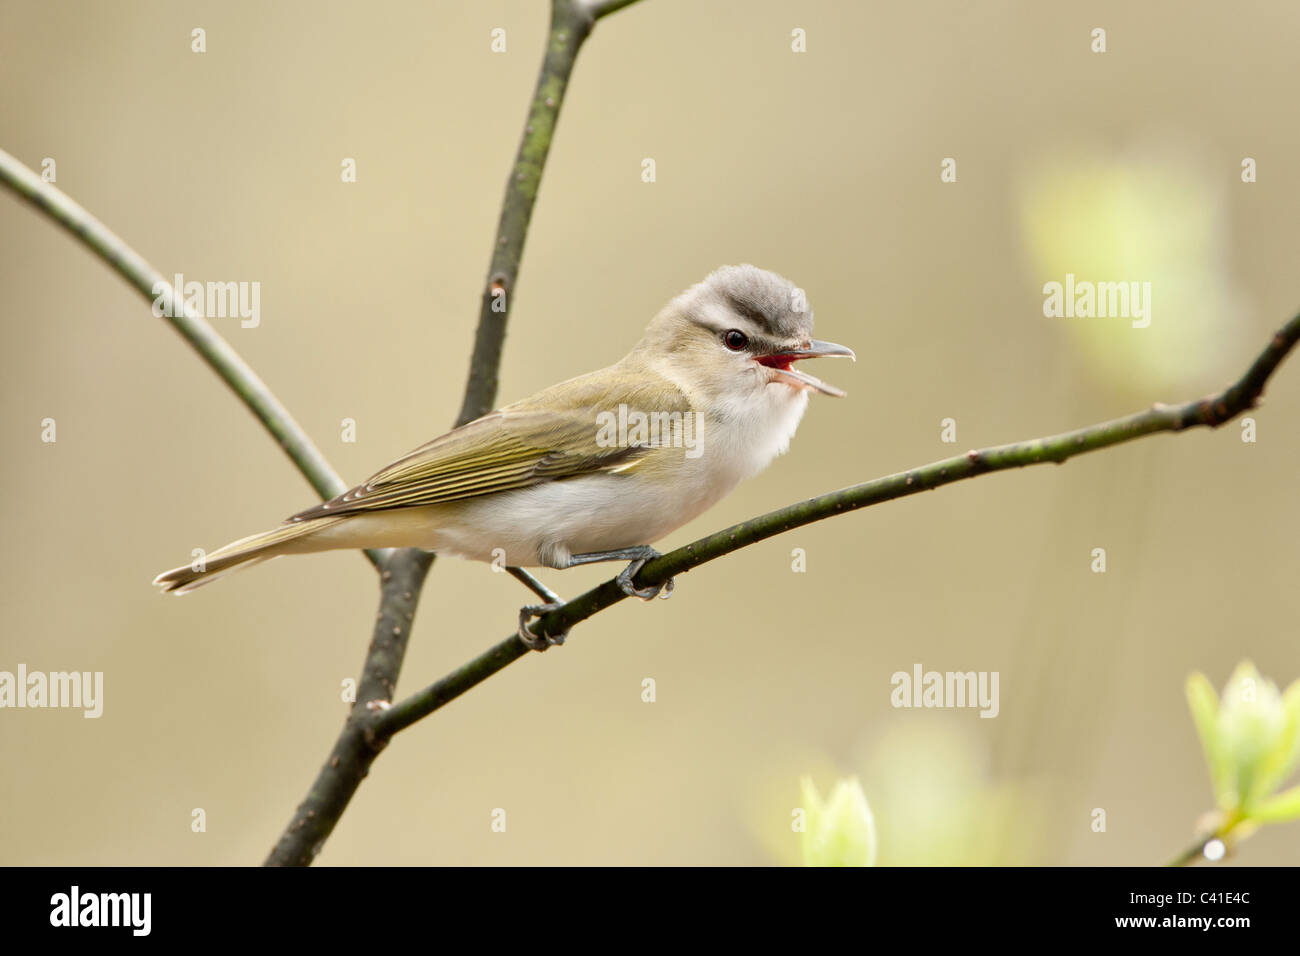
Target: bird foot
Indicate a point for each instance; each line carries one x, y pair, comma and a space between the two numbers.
530, 639
625, 577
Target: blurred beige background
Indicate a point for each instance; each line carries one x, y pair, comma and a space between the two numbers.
823, 166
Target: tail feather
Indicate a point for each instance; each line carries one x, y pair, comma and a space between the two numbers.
240, 554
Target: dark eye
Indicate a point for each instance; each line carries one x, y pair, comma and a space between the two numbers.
735, 340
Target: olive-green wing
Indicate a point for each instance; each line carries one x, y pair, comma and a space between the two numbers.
551, 436
498, 452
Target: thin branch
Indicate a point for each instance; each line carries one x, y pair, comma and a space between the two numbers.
404, 573
215, 350
571, 23
1210, 412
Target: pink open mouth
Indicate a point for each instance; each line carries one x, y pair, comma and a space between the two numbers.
776, 361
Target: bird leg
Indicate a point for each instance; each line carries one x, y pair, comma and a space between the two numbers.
534, 585
638, 556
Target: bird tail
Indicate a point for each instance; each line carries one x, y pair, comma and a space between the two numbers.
243, 553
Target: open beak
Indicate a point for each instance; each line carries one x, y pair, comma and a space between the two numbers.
780, 364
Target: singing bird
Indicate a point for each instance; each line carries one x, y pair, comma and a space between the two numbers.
596, 467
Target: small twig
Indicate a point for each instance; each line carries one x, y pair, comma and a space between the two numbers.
603, 8
1210, 412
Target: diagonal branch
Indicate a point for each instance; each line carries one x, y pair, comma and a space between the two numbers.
1210, 412
404, 573
215, 350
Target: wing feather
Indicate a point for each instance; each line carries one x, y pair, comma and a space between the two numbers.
549, 437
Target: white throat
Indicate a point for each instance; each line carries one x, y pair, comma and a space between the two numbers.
752, 430
745, 429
